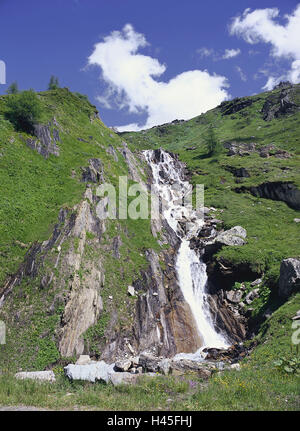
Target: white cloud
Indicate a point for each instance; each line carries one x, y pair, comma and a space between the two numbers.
216, 56
230, 53
205, 52
260, 25
133, 82
241, 73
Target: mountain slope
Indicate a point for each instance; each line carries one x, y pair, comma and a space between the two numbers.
64, 273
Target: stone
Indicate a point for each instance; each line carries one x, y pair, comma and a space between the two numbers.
251, 296
123, 365
234, 296
164, 366
128, 378
149, 362
123, 378
256, 282
297, 220
235, 366
182, 366
131, 290
45, 376
289, 279
233, 236
90, 372
83, 360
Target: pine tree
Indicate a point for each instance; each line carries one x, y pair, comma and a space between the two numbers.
53, 84
13, 88
211, 141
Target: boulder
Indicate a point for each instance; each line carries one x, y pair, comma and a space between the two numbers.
123, 365
90, 372
234, 296
149, 362
233, 236
83, 360
131, 290
289, 279
45, 376
182, 366
164, 366
123, 378
251, 296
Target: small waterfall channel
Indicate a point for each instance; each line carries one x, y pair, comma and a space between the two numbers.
169, 184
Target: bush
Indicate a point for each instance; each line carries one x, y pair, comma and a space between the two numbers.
24, 110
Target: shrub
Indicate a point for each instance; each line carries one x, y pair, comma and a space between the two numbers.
24, 110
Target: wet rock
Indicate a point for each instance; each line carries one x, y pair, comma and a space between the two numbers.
45, 376
289, 279
232, 354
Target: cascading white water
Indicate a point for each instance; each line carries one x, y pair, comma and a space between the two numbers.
190, 269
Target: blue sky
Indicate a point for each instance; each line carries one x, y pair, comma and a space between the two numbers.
165, 60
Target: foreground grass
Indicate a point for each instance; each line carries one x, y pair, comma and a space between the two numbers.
247, 389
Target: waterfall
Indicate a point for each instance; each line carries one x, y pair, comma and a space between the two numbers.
169, 184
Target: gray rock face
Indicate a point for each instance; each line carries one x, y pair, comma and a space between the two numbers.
90, 372
46, 144
233, 236
45, 376
93, 173
289, 280
110, 150
277, 191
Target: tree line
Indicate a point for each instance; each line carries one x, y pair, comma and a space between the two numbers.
53, 85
